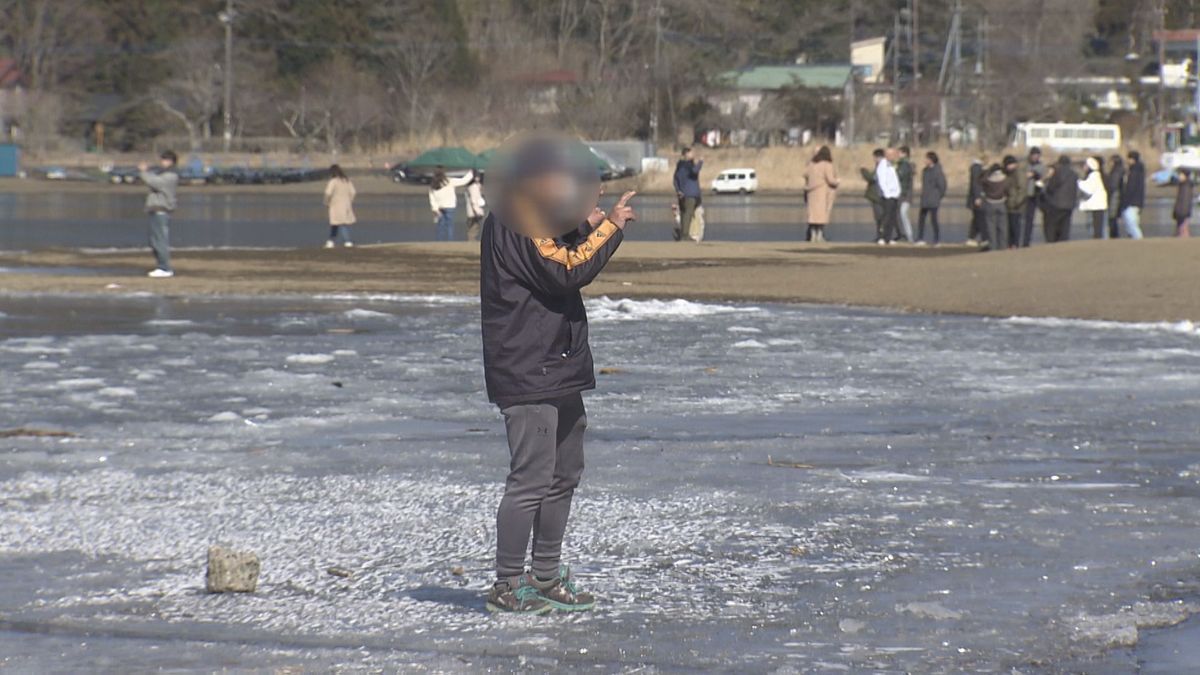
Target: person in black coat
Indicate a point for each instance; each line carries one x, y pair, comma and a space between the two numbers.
536, 252
1185, 200
976, 230
933, 190
1062, 196
1133, 195
1114, 181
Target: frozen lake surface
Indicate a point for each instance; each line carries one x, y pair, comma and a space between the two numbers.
769, 488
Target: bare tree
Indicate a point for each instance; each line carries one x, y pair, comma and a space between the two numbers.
192, 92
48, 38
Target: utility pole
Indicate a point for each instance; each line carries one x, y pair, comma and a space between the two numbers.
915, 33
655, 76
226, 17
895, 69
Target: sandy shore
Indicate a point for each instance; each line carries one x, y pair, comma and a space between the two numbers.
1151, 280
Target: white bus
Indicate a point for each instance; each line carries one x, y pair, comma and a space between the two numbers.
1063, 137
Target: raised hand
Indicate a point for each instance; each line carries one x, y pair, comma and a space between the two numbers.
623, 212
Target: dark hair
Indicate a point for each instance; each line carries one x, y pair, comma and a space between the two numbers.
170, 156
1008, 159
1064, 159
439, 179
335, 171
1134, 155
1035, 150
905, 149
685, 150
823, 155
877, 153
932, 156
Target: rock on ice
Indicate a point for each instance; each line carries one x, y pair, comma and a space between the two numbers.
231, 571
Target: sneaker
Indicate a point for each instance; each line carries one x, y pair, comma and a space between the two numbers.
920, 243
523, 599
892, 243
562, 594
160, 274
880, 242
349, 244
329, 244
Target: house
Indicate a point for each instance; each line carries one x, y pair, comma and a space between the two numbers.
743, 91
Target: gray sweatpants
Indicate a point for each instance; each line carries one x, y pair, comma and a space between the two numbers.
545, 442
160, 239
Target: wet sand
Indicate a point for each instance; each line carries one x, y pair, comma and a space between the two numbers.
1150, 280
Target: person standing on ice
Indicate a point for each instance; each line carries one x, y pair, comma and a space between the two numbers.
160, 203
544, 240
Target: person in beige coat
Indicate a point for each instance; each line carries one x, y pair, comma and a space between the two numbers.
820, 191
339, 197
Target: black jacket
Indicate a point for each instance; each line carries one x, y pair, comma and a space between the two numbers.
933, 186
1062, 189
973, 184
1183, 201
535, 332
1113, 182
1134, 192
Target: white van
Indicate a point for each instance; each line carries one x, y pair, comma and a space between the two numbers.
736, 180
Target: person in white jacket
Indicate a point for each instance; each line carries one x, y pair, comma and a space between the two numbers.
443, 201
476, 206
1094, 198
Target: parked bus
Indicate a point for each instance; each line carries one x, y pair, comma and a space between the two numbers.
1063, 137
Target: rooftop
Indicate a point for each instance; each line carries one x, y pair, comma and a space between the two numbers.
775, 77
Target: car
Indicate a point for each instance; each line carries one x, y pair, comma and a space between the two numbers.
742, 181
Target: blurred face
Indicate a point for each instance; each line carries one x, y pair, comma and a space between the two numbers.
165, 163
553, 203
1035, 156
928, 162
687, 154
891, 154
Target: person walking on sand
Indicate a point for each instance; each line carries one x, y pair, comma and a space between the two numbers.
1035, 175
1114, 179
889, 191
820, 191
1185, 199
160, 204
905, 172
872, 194
1094, 198
443, 200
993, 199
1016, 195
977, 227
476, 206
339, 198
537, 363
933, 190
687, 191
1133, 195
1062, 195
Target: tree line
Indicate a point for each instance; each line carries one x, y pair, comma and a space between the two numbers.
357, 74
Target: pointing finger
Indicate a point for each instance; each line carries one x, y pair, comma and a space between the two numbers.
626, 197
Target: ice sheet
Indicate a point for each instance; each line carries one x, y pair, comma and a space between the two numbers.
857, 490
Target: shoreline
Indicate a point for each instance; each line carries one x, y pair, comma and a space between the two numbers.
1127, 281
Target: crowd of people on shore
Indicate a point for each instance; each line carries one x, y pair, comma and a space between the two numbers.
1003, 197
